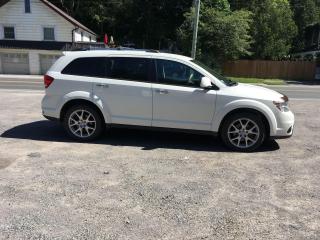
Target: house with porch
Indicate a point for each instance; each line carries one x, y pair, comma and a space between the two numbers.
34, 33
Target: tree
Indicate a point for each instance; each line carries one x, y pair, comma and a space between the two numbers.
273, 28
223, 34
306, 12
147, 23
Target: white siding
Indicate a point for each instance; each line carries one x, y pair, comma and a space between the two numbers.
33, 57
29, 26
86, 37
34, 62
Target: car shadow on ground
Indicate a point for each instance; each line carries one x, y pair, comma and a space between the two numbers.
146, 139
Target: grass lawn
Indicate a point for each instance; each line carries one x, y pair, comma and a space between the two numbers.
258, 81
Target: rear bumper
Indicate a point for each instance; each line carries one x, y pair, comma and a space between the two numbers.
49, 110
51, 118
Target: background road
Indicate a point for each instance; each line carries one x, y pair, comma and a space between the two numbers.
36, 83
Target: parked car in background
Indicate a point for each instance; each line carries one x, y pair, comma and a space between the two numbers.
91, 89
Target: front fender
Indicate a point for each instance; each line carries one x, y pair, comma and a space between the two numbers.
239, 104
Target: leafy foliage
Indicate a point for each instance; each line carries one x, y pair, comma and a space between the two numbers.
306, 12
222, 34
229, 29
273, 28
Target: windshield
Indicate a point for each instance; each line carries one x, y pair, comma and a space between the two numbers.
223, 79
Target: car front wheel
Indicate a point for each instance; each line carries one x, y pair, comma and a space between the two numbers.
243, 132
83, 123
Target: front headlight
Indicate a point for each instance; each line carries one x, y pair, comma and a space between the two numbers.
282, 105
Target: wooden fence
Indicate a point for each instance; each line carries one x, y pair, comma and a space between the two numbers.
289, 70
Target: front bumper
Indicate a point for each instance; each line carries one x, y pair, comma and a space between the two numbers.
285, 125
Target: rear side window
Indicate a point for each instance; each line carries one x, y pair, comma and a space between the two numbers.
90, 67
132, 69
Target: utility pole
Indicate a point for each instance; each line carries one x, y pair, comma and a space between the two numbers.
195, 29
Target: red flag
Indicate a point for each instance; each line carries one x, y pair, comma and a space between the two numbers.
105, 40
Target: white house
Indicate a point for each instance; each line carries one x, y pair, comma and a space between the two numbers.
33, 33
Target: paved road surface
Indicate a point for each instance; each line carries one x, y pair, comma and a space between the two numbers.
35, 83
300, 92
153, 185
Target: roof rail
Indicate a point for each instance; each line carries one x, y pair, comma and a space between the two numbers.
114, 49
152, 51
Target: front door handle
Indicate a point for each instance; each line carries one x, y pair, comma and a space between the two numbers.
162, 91
102, 85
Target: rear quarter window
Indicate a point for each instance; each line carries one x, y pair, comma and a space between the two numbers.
90, 67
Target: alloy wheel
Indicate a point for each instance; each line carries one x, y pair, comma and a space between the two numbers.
82, 123
243, 133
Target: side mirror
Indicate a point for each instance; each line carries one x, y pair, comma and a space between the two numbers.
206, 83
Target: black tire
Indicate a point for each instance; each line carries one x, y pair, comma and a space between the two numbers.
92, 134
243, 136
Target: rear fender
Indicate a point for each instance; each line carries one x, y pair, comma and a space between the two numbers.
87, 96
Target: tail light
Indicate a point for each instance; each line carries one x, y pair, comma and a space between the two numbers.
47, 80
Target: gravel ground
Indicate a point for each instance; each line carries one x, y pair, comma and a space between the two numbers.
146, 185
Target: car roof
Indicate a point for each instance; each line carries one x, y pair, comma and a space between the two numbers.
133, 53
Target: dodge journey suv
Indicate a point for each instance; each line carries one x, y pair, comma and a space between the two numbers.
89, 90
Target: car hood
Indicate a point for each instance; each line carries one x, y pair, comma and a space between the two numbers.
254, 92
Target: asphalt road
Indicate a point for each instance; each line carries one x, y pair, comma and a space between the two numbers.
146, 185
299, 92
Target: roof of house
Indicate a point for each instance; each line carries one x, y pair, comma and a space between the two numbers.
61, 13
48, 45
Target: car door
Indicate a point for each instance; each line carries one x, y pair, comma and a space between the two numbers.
178, 100
126, 90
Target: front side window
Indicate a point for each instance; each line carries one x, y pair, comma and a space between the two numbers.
175, 73
223, 79
132, 69
9, 32
90, 67
48, 34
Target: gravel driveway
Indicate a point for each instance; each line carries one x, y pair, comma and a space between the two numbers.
149, 185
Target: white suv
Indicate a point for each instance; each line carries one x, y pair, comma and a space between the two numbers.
88, 90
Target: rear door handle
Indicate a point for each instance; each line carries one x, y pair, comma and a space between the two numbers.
102, 85
162, 91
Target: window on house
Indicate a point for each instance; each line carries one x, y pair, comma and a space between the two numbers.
81, 36
9, 32
27, 6
48, 34
90, 39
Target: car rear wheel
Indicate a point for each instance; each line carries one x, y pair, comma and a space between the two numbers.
243, 132
83, 123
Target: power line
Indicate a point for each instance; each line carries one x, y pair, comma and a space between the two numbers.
195, 29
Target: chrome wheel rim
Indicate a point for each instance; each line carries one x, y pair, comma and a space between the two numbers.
243, 133
82, 123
